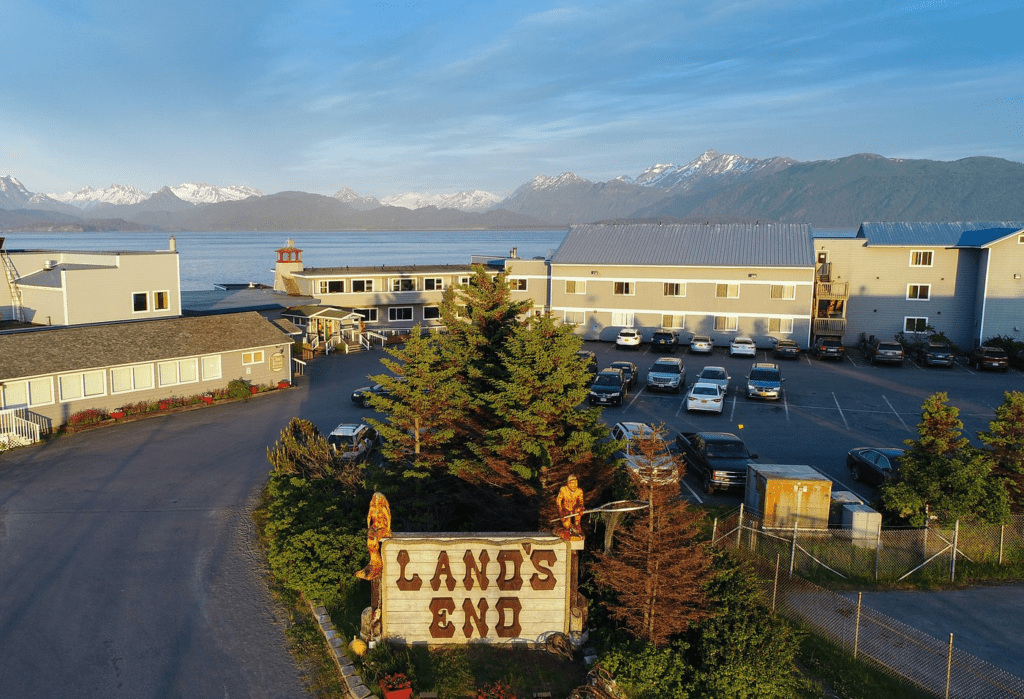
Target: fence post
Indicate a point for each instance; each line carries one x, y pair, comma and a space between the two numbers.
856, 628
1002, 531
792, 553
775, 589
714, 531
952, 563
949, 662
878, 550
739, 528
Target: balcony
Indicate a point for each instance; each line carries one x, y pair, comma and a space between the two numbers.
839, 291
829, 326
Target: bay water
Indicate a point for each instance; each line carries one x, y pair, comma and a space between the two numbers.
207, 258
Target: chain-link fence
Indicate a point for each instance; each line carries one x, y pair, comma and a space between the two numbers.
933, 664
885, 554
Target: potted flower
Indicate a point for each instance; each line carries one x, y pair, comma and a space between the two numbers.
254, 389
497, 690
284, 384
396, 686
117, 413
207, 398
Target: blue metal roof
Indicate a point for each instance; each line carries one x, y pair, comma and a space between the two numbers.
952, 234
689, 244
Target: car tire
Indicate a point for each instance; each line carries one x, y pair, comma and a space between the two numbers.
855, 473
709, 486
366, 402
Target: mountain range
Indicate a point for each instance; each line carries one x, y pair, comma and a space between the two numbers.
829, 193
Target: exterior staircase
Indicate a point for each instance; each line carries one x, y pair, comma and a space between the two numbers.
11, 275
17, 430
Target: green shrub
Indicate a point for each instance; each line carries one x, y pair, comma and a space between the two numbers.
87, 417
387, 659
239, 388
647, 672
453, 672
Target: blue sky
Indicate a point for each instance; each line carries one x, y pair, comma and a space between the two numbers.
390, 97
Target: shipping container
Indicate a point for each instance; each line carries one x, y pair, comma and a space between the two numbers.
786, 494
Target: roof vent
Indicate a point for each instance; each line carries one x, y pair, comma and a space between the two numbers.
49, 264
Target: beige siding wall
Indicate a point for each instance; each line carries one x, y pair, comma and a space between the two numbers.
58, 396
602, 299
529, 281
43, 305
1004, 290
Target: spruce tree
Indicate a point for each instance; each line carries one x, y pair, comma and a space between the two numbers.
1005, 439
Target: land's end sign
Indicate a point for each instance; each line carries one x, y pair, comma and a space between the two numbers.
463, 587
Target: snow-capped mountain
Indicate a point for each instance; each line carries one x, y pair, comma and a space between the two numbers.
87, 198
476, 200
13, 194
203, 193
349, 196
710, 168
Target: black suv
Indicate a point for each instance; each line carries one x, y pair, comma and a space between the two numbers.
885, 351
665, 340
590, 359
935, 354
828, 348
986, 357
609, 387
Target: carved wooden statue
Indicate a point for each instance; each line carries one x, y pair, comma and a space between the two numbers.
378, 526
570, 508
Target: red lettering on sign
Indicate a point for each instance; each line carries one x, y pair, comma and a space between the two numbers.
473, 569
471, 615
515, 580
508, 628
411, 584
440, 609
444, 567
538, 558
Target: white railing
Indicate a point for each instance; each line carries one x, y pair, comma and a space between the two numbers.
15, 429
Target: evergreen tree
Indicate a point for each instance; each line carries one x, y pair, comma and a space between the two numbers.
1005, 439
658, 569
942, 475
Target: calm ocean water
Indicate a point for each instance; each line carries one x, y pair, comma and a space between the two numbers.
208, 258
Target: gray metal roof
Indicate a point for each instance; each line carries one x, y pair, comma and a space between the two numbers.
45, 351
835, 232
52, 278
690, 244
382, 269
950, 234
210, 301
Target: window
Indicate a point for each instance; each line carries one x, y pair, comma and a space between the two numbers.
622, 318
920, 258
517, 284
727, 322
918, 292
623, 289
575, 287
673, 321
361, 285
675, 289
1020, 240
403, 284
727, 291
464, 281
31, 392
332, 286
574, 318
369, 314
140, 302
137, 377
181, 371
83, 385
254, 357
780, 325
784, 291
211, 367
915, 325
433, 284
431, 313
400, 313
161, 300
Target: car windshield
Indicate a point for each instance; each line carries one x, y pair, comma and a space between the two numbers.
626, 332
622, 365
705, 391
607, 380
787, 343
662, 336
889, 346
701, 338
993, 352
829, 343
742, 341
712, 374
764, 375
726, 449
665, 368
938, 348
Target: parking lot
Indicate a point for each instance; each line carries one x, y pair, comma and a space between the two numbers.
827, 407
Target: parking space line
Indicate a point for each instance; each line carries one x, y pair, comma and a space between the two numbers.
841, 414
694, 492
836, 480
896, 414
636, 396
785, 404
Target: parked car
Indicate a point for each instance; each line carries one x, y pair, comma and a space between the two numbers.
719, 459
590, 360
629, 369
701, 343
714, 374
986, 357
742, 347
609, 387
664, 340
352, 442
764, 381
786, 349
826, 347
664, 467
935, 354
1019, 358
628, 337
705, 396
885, 351
362, 395
873, 465
667, 374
